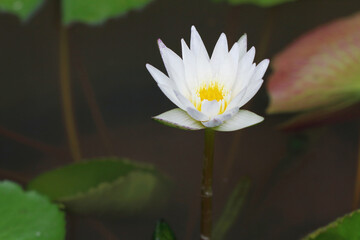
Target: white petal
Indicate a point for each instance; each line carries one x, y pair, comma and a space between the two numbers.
210, 108
245, 71
240, 120
235, 53
159, 77
227, 114
183, 100
203, 67
244, 74
212, 123
227, 72
260, 70
219, 119
174, 66
249, 56
220, 52
235, 102
179, 119
250, 92
194, 113
169, 93
196, 44
189, 108
189, 65
242, 45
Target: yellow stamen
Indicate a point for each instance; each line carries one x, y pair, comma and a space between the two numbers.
210, 91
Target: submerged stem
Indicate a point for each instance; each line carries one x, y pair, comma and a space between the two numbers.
65, 85
206, 186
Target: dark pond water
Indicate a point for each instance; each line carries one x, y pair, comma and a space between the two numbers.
285, 202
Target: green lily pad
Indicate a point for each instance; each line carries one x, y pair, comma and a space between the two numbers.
95, 11
28, 215
262, 3
22, 8
345, 228
163, 231
104, 186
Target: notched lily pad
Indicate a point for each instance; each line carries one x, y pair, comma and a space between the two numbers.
24, 9
28, 215
345, 228
104, 186
95, 11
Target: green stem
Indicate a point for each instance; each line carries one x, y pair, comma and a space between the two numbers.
206, 187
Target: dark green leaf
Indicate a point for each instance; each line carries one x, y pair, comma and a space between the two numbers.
96, 11
104, 186
28, 215
21, 8
345, 228
163, 231
232, 209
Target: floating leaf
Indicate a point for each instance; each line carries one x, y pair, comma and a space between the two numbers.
21, 8
345, 228
262, 3
28, 215
95, 11
104, 186
163, 231
232, 209
318, 72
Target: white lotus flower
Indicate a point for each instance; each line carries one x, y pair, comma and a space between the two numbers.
209, 91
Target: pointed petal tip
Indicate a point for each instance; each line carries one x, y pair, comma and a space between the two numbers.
150, 67
243, 38
266, 61
183, 42
160, 43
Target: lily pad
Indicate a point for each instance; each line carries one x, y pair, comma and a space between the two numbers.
345, 228
104, 186
319, 73
95, 11
163, 231
21, 8
28, 215
262, 3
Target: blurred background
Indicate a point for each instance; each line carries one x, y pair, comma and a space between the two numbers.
300, 180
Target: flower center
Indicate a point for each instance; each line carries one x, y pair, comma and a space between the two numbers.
211, 90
